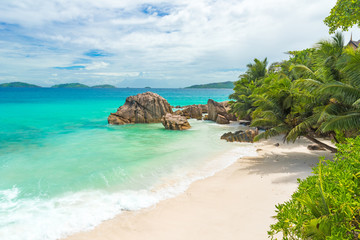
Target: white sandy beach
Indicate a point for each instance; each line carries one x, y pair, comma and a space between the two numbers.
236, 203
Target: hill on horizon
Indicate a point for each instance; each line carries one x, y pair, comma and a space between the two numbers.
104, 86
70, 85
228, 84
18, 85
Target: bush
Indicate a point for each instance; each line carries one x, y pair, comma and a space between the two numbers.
326, 205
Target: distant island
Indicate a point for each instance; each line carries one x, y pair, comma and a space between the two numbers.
18, 85
70, 85
104, 86
80, 85
227, 84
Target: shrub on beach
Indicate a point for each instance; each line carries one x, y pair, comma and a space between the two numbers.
326, 205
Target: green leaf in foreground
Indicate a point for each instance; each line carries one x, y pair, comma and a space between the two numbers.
326, 205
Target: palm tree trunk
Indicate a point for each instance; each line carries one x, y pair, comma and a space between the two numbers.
331, 149
333, 135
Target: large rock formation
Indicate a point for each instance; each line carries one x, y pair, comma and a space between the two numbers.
240, 136
219, 112
175, 122
146, 107
192, 111
204, 108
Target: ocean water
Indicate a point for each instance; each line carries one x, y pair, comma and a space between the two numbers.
63, 169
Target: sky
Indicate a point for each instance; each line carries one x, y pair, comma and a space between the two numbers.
155, 43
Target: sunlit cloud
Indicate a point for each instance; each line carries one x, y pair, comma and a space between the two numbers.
119, 74
96, 65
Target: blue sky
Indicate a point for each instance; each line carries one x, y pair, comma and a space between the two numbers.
135, 43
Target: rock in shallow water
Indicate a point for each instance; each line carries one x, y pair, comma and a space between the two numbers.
219, 112
146, 107
240, 136
220, 119
175, 122
193, 111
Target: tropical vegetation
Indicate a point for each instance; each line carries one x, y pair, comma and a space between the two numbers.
326, 204
344, 15
316, 92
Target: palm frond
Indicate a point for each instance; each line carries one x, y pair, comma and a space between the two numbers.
272, 132
301, 69
308, 83
344, 92
303, 127
356, 104
349, 121
351, 68
264, 123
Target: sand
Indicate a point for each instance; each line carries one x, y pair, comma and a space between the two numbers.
236, 203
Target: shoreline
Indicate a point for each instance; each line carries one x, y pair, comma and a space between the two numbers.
235, 203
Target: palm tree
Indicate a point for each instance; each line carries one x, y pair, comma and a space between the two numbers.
244, 87
327, 56
344, 107
257, 70
336, 101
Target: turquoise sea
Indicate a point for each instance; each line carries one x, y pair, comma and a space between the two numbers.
63, 169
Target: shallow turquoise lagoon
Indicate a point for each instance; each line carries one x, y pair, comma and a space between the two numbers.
62, 166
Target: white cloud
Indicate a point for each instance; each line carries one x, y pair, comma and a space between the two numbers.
182, 41
96, 65
118, 74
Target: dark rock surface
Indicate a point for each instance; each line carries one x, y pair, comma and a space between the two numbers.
240, 136
178, 112
244, 122
220, 119
204, 108
192, 111
316, 147
175, 122
146, 107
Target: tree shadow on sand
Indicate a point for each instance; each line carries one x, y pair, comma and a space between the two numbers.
288, 166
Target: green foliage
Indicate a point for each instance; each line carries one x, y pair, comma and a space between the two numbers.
343, 15
326, 205
316, 91
245, 86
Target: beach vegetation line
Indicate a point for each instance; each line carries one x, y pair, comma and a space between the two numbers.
315, 93
326, 204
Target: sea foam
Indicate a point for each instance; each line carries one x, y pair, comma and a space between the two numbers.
50, 219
